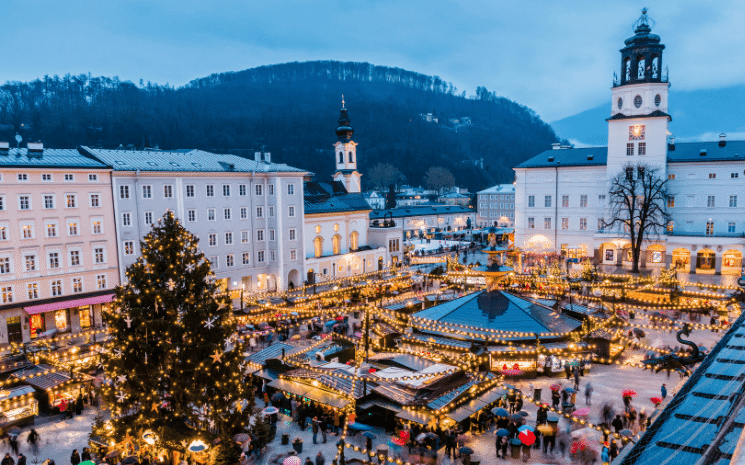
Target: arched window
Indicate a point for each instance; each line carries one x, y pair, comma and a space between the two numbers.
351, 159
354, 241
640, 68
341, 157
318, 246
655, 67
336, 242
627, 70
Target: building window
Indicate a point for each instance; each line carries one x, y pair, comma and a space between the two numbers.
245, 237
671, 201
244, 213
74, 258
642, 148
210, 214
46, 177
126, 219
670, 176
22, 177
190, 190
710, 201
670, 227
259, 189
734, 175
601, 224
54, 260
56, 287
148, 217
712, 175
259, 212
293, 254
48, 202
246, 258
601, 200
28, 231
210, 190
168, 191
260, 256
212, 239
241, 189
271, 235
226, 190
546, 201
129, 247
92, 178
96, 227
147, 192
564, 201
71, 201
260, 235
291, 189
731, 227
336, 244
98, 252
229, 261
2, 203
24, 202
33, 291
732, 200
5, 265
354, 240
101, 281
271, 189
7, 294
72, 229
95, 200
272, 256
629, 149
531, 201
69, 177
51, 229
709, 228
123, 192
583, 223
77, 285
583, 201
318, 246
271, 212
228, 238
546, 223
30, 261
531, 223
227, 214
291, 212
191, 215
293, 234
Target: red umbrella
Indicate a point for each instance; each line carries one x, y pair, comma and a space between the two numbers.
555, 387
629, 393
404, 435
527, 437
511, 372
656, 400
578, 446
581, 412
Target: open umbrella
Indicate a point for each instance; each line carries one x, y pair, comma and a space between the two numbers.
626, 432
570, 390
523, 413
552, 418
527, 437
639, 333
368, 434
270, 411
512, 372
581, 412
421, 437
500, 412
277, 396
516, 417
555, 387
628, 393
503, 432
240, 437
525, 428
14, 431
466, 450
292, 460
545, 429
656, 400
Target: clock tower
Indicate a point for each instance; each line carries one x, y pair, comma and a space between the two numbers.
638, 125
345, 153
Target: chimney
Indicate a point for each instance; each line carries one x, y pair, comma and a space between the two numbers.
4, 148
257, 156
722, 139
671, 144
36, 147
556, 145
263, 156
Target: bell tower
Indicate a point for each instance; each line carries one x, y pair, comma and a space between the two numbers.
638, 125
345, 154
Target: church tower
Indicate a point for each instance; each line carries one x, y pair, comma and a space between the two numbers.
345, 153
638, 125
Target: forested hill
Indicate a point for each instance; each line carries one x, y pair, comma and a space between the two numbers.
291, 110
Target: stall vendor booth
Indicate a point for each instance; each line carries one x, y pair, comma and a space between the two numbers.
547, 359
55, 390
18, 406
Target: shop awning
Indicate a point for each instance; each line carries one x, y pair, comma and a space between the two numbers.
50, 307
319, 395
476, 405
423, 418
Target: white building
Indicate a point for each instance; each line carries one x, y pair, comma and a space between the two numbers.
561, 197
336, 237
496, 206
423, 220
247, 214
375, 199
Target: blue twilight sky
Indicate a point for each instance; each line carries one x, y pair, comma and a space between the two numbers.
557, 57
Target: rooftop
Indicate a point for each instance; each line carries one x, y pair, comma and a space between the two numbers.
48, 158
332, 197
420, 210
499, 189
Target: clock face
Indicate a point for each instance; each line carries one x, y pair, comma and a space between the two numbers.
636, 132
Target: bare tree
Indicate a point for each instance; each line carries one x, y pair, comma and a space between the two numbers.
638, 197
383, 175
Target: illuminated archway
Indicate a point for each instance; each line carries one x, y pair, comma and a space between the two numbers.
731, 262
656, 255
681, 258
705, 261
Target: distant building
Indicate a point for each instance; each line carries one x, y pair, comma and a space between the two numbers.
375, 199
427, 219
454, 198
409, 200
429, 117
496, 206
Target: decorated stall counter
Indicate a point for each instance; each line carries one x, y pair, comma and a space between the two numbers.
55, 390
18, 406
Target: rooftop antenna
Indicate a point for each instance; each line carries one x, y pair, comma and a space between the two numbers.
18, 140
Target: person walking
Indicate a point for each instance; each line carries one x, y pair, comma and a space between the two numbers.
320, 459
663, 391
588, 394
613, 450
642, 420
308, 461
576, 378
568, 372
323, 426
605, 454
86, 455
75, 457
33, 438
314, 426
13, 441
21, 459
79, 405
617, 423
8, 460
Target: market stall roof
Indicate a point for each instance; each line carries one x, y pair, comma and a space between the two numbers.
12, 393
42, 381
476, 405
273, 351
705, 420
425, 338
324, 397
67, 303
417, 416
397, 394
577, 346
455, 394
412, 362
332, 382
268, 375
384, 404
384, 329
499, 310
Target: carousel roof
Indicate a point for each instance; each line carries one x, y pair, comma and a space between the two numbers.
499, 310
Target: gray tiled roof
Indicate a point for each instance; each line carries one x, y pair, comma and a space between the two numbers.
53, 158
183, 161
706, 415
419, 210
332, 197
567, 157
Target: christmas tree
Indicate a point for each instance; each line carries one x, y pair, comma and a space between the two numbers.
174, 355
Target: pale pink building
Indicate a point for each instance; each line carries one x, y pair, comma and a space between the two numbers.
58, 260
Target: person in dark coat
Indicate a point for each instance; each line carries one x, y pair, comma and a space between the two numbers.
75, 457
663, 391
33, 438
79, 405
8, 460
568, 372
86, 455
617, 423
21, 459
13, 441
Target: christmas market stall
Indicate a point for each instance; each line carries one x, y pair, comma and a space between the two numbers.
55, 390
18, 406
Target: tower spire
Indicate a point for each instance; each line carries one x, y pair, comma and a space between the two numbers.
342, 101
